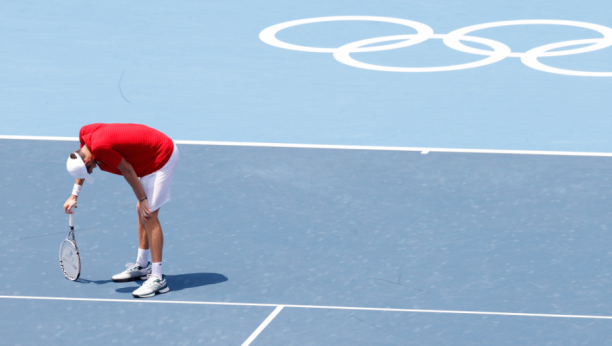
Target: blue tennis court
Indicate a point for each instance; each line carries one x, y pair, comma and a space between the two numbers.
352, 173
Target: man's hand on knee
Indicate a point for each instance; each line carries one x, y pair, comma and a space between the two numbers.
144, 213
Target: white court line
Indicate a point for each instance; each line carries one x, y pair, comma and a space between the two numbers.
262, 326
349, 147
42, 138
311, 307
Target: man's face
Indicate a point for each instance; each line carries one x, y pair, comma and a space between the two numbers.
90, 164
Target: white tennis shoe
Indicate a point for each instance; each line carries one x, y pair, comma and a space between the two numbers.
151, 287
133, 272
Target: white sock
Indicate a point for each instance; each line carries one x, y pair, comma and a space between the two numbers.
157, 270
143, 257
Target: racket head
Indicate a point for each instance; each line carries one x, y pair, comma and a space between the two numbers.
70, 260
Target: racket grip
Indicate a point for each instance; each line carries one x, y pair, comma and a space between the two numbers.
71, 220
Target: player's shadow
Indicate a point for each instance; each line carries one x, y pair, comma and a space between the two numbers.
191, 280
182, 281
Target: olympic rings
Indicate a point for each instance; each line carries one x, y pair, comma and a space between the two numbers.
531, 59
453, 40
342, 54
268, 35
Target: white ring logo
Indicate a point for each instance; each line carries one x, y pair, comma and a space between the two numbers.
453, 40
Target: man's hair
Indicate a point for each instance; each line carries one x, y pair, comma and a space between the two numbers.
79, 152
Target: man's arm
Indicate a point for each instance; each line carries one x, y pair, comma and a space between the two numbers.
72, 200
130, 176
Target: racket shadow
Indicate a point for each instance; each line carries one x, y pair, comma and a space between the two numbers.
185, 281
97, 282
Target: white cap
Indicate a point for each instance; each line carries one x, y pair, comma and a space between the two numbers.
76, 168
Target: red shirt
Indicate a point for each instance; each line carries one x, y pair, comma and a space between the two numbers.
146, 149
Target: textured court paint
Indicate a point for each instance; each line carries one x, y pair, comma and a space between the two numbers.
75, 323
197, 70
443, 231
94, 323
347, 328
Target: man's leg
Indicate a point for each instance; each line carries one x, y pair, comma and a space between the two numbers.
143, 245
143, 239
154, 236
142, 267
157, 281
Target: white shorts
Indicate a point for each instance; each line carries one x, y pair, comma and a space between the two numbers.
157, 184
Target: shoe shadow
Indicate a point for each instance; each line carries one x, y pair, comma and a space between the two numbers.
182, 281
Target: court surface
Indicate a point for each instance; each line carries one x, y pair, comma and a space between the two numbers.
337, 193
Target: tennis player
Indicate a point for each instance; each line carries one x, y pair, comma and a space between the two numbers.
147, 159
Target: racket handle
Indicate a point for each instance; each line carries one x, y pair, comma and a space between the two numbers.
71, 220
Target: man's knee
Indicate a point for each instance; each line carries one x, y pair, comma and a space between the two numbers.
152, 220
154, 214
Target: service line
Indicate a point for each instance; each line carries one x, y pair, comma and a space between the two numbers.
520, 314
347, 147
263, 325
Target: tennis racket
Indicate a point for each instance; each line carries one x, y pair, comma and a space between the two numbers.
69, 257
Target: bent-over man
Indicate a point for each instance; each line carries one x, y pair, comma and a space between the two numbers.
147, 159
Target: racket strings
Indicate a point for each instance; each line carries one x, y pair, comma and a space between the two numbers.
70, 260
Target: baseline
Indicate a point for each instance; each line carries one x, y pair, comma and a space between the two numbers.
423, 150
277, 306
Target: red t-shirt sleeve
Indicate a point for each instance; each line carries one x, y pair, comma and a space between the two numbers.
108, 156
